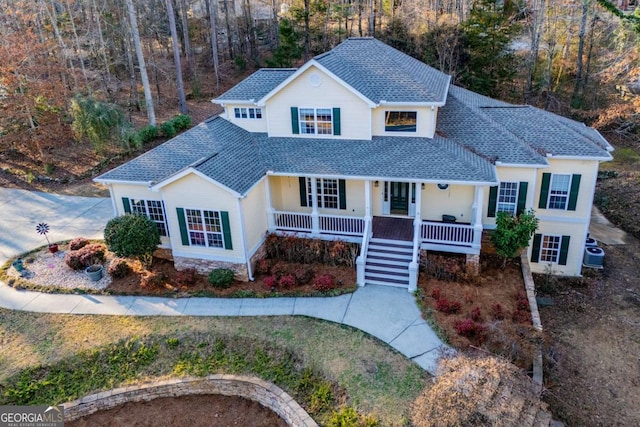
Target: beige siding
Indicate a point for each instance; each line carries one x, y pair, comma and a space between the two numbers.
506, 174
577, 232
194, 192
136, 192
377, 197
251, 125
355, 114
456, 200
425, 121
254, 209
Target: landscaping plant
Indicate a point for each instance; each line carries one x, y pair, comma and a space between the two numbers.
221, 278
513, 233
132, 235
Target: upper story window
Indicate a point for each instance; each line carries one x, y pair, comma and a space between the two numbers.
315, 121
400, 121
247, 113
508, 197
559, 191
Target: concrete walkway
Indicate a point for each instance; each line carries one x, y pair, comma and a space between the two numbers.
389, 314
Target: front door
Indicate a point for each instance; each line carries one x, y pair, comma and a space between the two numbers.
399, 198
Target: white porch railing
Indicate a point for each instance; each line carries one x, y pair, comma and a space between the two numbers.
361, 261
447, 233
346, 225
292, 221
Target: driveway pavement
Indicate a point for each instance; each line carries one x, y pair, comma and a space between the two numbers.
389, 314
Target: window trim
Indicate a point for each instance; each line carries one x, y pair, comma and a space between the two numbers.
145, 204
249, 113
302, 124
395, 132
321, 193
203, 230
516, 198
566, 196
543, 248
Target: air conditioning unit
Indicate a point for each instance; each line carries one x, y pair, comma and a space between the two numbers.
591, 242
593, 257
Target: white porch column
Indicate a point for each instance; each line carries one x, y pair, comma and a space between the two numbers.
367, 199
271, 216
478, 208
315, 217
414, 265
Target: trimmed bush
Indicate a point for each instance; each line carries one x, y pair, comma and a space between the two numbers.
304, 275
263, 266
168, 129
474, 331
78, 243
271, 282
324, 283
84, 257
132, 235
119, 268
497, 312
181, 122
148, 134
221, 278
448, 307
287, 281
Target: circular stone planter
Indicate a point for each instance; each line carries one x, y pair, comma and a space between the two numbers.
267, 394
94, 272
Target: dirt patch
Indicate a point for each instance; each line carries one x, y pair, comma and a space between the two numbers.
194, 411
488, 312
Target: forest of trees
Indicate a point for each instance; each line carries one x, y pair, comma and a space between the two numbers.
102, 69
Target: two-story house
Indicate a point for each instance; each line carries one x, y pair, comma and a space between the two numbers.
366, 144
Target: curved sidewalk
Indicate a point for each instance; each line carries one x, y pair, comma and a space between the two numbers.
389, 314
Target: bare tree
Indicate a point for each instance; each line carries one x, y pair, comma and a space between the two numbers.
176, 57
214, 40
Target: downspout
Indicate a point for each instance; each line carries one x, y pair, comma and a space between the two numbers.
243, 237
113, 200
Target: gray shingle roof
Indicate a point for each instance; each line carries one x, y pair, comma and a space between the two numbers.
382, 73
257, 85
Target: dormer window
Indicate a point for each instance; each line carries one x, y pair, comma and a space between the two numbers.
247, 113
400, 121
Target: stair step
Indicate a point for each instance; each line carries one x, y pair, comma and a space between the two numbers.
385, 283
386, 276
391, 248
374, 262
392, 243
385, 270
394, 255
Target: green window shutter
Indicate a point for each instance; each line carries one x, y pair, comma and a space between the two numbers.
564, 250
573, 193
493, 200
342, 192
544, 190
303, 190
336, 121
522, 197
535, 250
184, 234
226, 230
295, 126
126, 204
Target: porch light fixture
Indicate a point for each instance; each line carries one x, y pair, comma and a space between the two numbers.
376, 184
443, 186
422, 186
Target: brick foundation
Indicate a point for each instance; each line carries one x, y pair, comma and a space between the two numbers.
260, 254
473, 264
267, 394
204, 266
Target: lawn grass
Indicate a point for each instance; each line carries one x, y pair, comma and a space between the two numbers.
368, 374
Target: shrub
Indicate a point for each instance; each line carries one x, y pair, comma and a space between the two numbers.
221, 278
324, 283
77, 243
287, 281
279, 269
181, 122
188, 276
522, 302
148, 134
271, 282
476, 315
168, 129
448, 307
512, 234
321, 397
119, 268
347, 416
436, 293
153, 279
497, 312
304, 275
173, 342
84, 257
449, 267
308, 251
469, 329
263, 266
132, 235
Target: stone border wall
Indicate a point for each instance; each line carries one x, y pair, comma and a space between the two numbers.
267, 394
530, 287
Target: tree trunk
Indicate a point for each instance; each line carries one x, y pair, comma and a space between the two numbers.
188, 52
214, 40
539, 7
143, 69
227, 22
581, 36
77, 48
307, 47
176, 58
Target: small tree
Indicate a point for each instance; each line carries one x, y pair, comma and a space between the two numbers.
132, 235
513, 233
97, 121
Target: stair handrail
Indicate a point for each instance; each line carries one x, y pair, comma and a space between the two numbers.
364, 247
413, 267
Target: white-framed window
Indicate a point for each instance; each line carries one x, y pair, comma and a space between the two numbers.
316, 121
550, 248
559, 191
400, 121
152, 209
328, 193
204, 228
507, 197
247, 113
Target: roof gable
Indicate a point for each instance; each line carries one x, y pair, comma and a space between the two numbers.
256, 86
